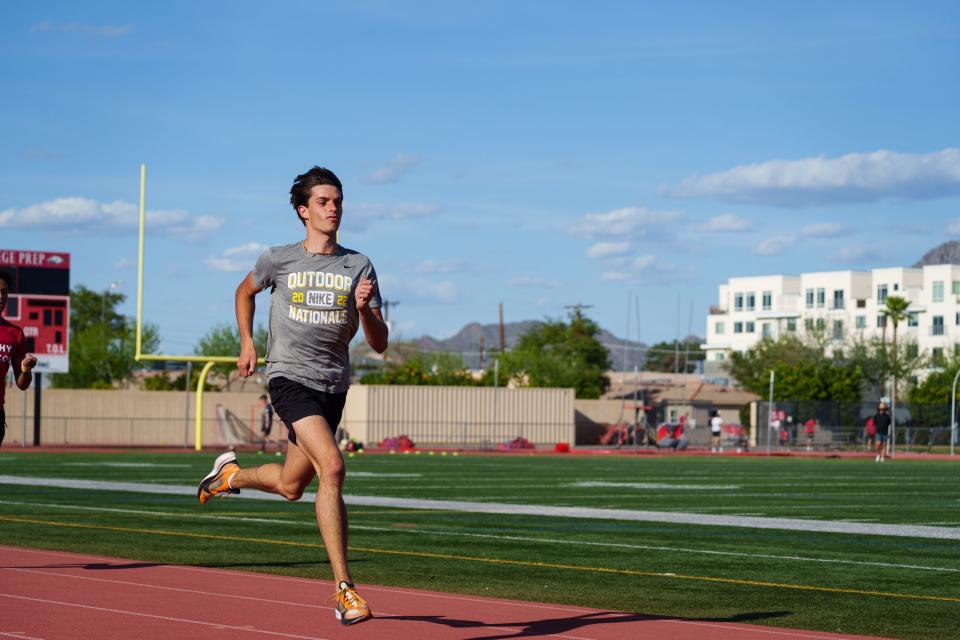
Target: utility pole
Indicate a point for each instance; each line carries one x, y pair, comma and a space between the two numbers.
577, 308
503, 337
481, 352
386, 308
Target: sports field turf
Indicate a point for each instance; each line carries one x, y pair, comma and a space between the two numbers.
875, 584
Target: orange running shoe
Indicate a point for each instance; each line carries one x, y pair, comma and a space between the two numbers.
351, 608
217, 482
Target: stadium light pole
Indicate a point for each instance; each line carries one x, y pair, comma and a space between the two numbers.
770, 412
953, 413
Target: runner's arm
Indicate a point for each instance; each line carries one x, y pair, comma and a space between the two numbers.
246, 305
24, 368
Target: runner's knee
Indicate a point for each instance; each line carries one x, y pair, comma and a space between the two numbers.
291, 492
332, 473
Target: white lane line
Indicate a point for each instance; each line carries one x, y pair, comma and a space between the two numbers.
220, 595
130, 465
18, 634
655, 485
137, 614
672, 517
461, 534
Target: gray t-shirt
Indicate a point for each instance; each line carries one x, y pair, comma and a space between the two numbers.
313, 313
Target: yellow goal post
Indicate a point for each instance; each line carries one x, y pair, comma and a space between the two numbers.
209, 361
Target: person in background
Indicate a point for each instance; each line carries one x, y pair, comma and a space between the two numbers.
810, 428
716, 428
266, 421
881, 422
13, 352
870, 435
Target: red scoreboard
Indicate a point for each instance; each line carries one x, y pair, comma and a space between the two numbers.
39, 303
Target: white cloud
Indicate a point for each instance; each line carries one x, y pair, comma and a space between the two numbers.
855, 177
103, 31
726, 223
607, 249
775, 245
632, 222
648, 270
532, 281
825, 230
862, 254
953, 228
418, 289
235, 259
392, 171
77, 214
438, 266
365, 212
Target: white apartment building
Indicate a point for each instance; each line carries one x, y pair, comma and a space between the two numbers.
844, 304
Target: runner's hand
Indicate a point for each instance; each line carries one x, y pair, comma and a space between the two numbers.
364, 293
29, 362
247, 362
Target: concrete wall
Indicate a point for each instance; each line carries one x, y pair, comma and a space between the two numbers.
467, 416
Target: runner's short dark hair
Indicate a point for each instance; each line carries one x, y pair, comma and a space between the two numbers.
305, 182
7, 277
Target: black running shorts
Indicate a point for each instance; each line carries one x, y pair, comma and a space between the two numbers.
293, 401
3, 424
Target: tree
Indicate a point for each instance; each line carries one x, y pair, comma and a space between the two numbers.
895, 312
437, 368
102, 341
674, 356
558, 354
224, 340
802, 371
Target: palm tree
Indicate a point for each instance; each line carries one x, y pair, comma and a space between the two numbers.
895, 312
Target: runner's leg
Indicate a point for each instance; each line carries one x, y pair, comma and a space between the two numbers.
288, 480
315, 439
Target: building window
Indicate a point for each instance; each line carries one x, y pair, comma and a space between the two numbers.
808, 324
718, 328
881, 294
861, 303
809, 298
751, 327
913, 319
791, 324
821, 298
937, 327
913, 350
938, 290
881, 321
861, 322
767, 299
738, 302
956, 287
821, 324
738, 327
751, 301
721, 356
766, 330
937, 353
958, 318
838, 299
838, 329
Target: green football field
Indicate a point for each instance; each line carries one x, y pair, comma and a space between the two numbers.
812, 567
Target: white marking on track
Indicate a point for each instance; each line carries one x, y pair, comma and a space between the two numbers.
499, 508
655, 485
460, 534
215, 625
130, 465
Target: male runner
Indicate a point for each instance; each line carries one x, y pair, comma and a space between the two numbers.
320, 293
13, 350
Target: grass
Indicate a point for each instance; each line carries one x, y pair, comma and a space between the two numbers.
859, 584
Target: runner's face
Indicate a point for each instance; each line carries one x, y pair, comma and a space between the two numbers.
324, 209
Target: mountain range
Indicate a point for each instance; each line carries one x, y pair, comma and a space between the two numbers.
624, 354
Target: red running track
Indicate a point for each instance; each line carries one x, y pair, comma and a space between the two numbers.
54, 595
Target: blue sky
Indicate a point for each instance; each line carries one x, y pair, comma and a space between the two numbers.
535, 154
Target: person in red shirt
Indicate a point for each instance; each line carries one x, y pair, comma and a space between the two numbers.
810, 427
13, 351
